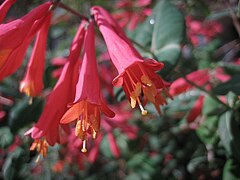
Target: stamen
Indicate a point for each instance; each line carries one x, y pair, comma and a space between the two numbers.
38, 158
84, 149
30, 101
144, 112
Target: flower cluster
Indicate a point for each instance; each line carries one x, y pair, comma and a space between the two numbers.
129, 10
200, 33
76, 98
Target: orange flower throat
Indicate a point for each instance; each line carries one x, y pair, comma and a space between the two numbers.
88, 121
137, 83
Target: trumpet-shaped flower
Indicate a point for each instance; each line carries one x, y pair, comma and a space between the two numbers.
16, 36
32, 83
5, 6
48, 125
136, 75
88, 101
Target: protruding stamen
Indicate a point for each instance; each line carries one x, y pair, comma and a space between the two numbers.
84, 149
30, 101
144, 112
38, 158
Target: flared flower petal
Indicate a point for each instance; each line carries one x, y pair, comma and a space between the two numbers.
136, 75
32, 84
16, 36
88, 101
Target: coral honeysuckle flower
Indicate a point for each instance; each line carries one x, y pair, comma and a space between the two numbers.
200, 77
16, 36
32, 84
88, 101
5, 6
136, 75
48, 125
196, 110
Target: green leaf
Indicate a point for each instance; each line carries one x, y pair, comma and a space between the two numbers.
195, 163
162, 33
210, 107
22, 113
13, 164
119, 94
231, 68
6, 137
231, 170
137, 160
229, 132
207, 132
231, 85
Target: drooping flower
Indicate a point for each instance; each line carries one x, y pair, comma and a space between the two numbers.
48, 126
200, 77
200, 32
196, 110
5, 6
204, 78
88, 101
136, 75
16, 36
32, 84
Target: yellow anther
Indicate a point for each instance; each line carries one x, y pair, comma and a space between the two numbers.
145, 79
78, 128
133, 102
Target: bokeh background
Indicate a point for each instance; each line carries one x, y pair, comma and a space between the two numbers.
195, 137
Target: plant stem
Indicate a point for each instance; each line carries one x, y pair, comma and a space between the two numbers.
207, 92
67, 8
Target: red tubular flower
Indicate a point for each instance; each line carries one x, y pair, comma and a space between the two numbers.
16, 36
48, 125
196, 110
5, 6
32, 84
88, 101
113, 145
200, 77
135, 74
